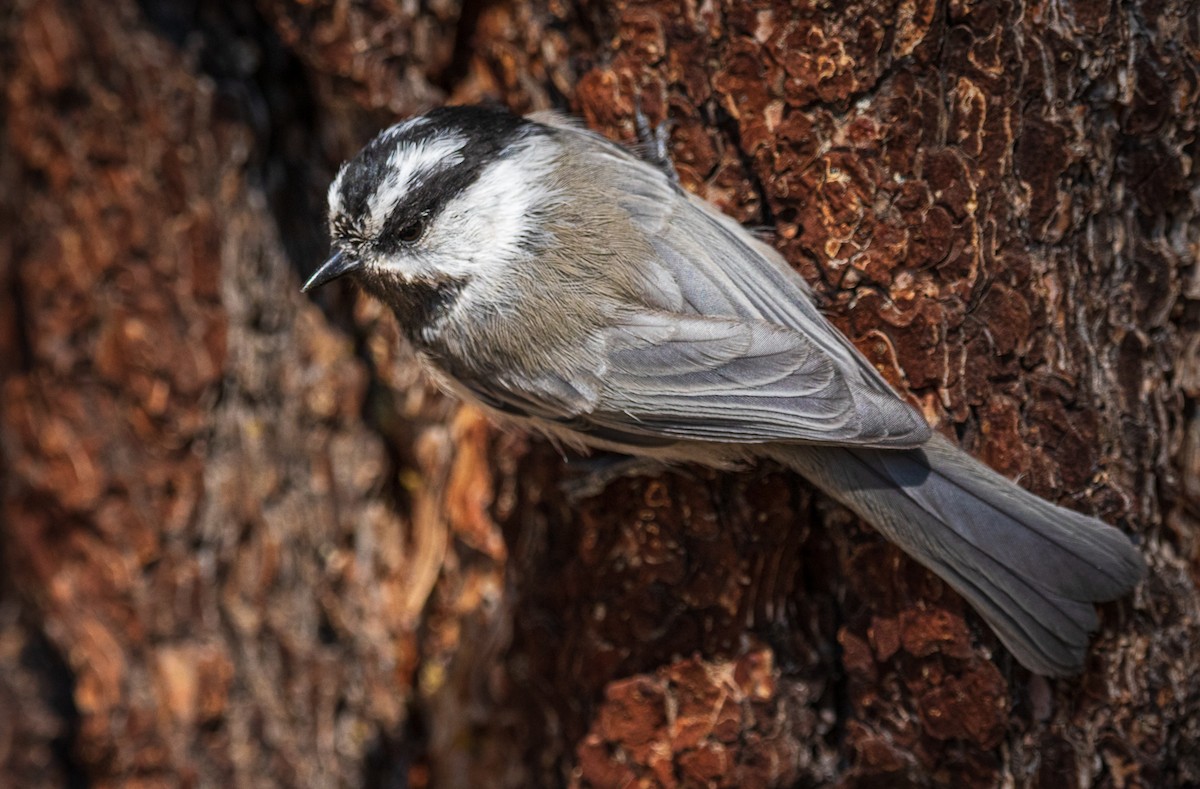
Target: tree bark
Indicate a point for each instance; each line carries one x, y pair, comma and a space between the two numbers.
243, 543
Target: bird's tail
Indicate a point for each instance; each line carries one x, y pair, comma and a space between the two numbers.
1033, 570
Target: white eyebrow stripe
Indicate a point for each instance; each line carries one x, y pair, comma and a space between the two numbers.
404, 126
481, 230
405, 163
334, 196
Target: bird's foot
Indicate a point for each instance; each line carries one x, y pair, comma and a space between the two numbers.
593, 474
653, 142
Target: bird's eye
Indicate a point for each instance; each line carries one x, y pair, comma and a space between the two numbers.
412, 232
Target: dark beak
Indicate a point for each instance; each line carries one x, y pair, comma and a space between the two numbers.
338, 265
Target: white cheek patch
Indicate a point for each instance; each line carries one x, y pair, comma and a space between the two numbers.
480, 231
404, 165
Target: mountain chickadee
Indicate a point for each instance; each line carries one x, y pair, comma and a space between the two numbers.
564, 284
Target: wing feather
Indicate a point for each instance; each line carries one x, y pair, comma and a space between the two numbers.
660, 377
716, 267
740, 381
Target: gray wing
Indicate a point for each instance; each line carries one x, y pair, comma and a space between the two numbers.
739, 381
660, 377
705, 263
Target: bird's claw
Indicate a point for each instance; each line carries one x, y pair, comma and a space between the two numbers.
654, 141
593, 475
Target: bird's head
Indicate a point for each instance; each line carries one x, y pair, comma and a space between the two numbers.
437, 201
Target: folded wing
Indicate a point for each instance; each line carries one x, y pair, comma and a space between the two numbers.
657, 377
742, 382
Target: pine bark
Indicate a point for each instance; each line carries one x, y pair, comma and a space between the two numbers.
243, 543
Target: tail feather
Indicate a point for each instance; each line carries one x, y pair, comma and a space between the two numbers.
1050, 640
1033, 570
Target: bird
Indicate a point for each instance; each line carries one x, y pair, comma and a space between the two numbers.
571, 287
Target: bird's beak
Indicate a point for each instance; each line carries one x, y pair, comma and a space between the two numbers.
338, 265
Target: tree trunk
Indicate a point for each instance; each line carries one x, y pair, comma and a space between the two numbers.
243, 543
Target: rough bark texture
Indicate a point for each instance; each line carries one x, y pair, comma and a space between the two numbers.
243, 544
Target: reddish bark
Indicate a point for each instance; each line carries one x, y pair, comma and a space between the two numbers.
242, 541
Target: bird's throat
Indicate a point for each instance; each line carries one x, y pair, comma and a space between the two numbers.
419, 304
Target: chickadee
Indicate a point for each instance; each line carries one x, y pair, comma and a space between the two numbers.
564, 284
